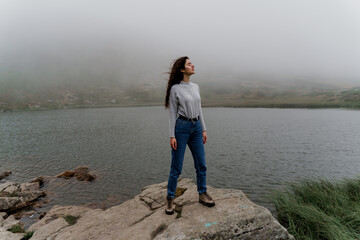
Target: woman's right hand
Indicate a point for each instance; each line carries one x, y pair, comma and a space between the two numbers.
173, 143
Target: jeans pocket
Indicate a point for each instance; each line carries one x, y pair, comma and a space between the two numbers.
181, 126
180, 122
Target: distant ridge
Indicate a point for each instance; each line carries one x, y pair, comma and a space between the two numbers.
295, 93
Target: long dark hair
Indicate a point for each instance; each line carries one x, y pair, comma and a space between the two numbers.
175, 76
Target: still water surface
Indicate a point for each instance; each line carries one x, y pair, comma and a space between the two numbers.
255, 150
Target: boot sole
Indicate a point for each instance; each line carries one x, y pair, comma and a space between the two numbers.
170, 213
207, 204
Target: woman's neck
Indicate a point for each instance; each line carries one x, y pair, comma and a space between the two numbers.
186, 78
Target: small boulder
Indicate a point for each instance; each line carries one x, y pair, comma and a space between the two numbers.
66, 174
5, 174
84, 177
40, 180
81, 173
42, 215
81, 169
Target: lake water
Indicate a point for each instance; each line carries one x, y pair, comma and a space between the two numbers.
255, 150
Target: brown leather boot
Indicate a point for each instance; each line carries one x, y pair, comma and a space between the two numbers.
205, 199
170, 206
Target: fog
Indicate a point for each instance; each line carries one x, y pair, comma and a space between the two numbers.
54, 42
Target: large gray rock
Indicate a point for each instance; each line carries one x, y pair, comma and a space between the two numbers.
6, 235
5, 225
143, 217
9, 222
3, 215
15, 195
59, 212
51, 228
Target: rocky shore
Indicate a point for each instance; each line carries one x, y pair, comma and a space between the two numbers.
21, 204
143, 217
15, 196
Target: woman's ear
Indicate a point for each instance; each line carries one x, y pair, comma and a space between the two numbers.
182, 70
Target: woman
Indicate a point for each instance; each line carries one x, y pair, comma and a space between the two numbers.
187, 127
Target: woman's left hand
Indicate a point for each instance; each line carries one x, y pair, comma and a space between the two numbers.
204, 137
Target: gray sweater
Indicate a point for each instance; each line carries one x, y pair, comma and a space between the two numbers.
184, 100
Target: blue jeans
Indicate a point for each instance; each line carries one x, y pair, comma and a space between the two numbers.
190, 133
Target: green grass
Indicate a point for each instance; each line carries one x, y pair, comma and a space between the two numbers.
320, 209
16, 229
178, 210
28, 235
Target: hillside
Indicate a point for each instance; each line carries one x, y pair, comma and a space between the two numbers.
301, 94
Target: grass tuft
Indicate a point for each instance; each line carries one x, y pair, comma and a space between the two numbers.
16, 229
320, 209
28, 235
71, 220
178, 210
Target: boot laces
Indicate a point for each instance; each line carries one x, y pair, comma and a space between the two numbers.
208, 196
170, 202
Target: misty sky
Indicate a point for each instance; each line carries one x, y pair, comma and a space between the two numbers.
136, 40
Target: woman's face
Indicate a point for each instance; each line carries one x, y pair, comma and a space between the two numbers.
189, 68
